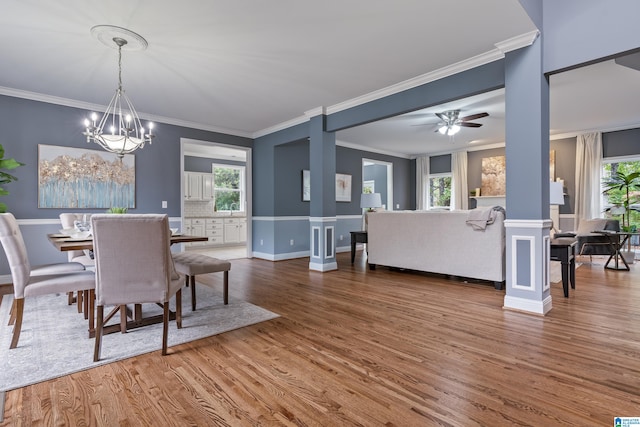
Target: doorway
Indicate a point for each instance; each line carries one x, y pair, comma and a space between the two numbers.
216, 198
377, 177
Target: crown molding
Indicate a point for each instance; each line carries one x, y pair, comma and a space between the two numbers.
371, 150
281, 126
318, 111
517, 42
50, 99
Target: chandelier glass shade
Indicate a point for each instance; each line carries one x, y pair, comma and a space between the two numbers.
120, 130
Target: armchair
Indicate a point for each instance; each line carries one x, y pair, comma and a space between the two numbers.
590, 243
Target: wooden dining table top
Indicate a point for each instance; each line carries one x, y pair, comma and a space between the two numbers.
66, 243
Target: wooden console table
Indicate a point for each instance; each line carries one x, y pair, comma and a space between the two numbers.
357, 237
564, 250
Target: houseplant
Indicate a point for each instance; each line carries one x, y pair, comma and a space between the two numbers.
622, 188
5, 178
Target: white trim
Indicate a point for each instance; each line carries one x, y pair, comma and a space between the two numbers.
575, 133
280, 218
372, 150
527, 223
323, 219
56, 221
514, 263
280, 257
8, 279
527, 305
301, 218
329, 245
314, 112
546, 257
458, 67
313, 253
517, 42
323, 267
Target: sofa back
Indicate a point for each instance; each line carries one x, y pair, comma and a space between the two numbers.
439, 242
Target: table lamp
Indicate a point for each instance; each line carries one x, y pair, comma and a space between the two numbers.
556, 198
369, 201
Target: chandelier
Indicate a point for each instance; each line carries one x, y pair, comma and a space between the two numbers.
119, 130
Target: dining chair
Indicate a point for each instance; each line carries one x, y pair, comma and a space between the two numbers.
133, 266
83, 257
34, 281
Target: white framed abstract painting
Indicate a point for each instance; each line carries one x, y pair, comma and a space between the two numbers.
343, 187
78, 178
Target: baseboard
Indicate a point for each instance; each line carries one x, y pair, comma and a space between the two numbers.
527, 306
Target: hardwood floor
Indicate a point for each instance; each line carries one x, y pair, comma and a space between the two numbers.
360, 347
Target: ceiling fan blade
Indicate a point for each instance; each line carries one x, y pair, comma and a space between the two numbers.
469, 125
473, 117
443, 117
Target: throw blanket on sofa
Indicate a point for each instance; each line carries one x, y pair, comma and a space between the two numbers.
478, 219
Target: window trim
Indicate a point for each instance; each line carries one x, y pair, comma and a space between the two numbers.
437, 175
241, 185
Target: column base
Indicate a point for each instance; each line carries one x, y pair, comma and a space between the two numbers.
527, 305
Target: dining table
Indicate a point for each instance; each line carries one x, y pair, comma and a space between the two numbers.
65, 243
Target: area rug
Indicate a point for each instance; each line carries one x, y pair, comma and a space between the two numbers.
54, 339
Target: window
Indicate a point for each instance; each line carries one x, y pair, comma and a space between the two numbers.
440, 190
228, 184
626, 165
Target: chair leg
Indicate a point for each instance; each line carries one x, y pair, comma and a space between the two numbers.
79, 301
193, 293
92, 307
12, 313
123, 319
98, 344
17, 327
226, 287
85, 301
69, 298
179, 308
165, 327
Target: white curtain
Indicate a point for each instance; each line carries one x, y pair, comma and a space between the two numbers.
459, 186
422, 182
588, 176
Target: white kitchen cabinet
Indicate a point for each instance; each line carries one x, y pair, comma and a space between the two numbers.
207, 186
195, 227
231, 230
235, 230
215, 231
198, 186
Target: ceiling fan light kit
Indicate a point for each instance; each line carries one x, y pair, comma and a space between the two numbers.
452, 122
120, 130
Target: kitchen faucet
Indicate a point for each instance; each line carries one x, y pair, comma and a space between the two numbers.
231, 207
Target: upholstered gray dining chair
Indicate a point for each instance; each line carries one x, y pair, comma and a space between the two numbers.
34, 281
83, 257
133, 266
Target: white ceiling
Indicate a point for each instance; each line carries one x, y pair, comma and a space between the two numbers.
244, 67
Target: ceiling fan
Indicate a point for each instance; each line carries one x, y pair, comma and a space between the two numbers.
452, 122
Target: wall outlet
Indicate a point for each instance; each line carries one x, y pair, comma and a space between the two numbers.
341, 237
397, 205
164, 204
261, 242
291, 242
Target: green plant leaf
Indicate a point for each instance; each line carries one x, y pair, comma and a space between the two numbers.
10, 164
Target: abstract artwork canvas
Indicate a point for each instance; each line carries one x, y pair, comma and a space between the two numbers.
343, 187
494, 176
84, 179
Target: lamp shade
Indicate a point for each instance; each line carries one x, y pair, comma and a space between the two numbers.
556, 193
370, 200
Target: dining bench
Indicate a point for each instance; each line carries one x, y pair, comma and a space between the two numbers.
191, 264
